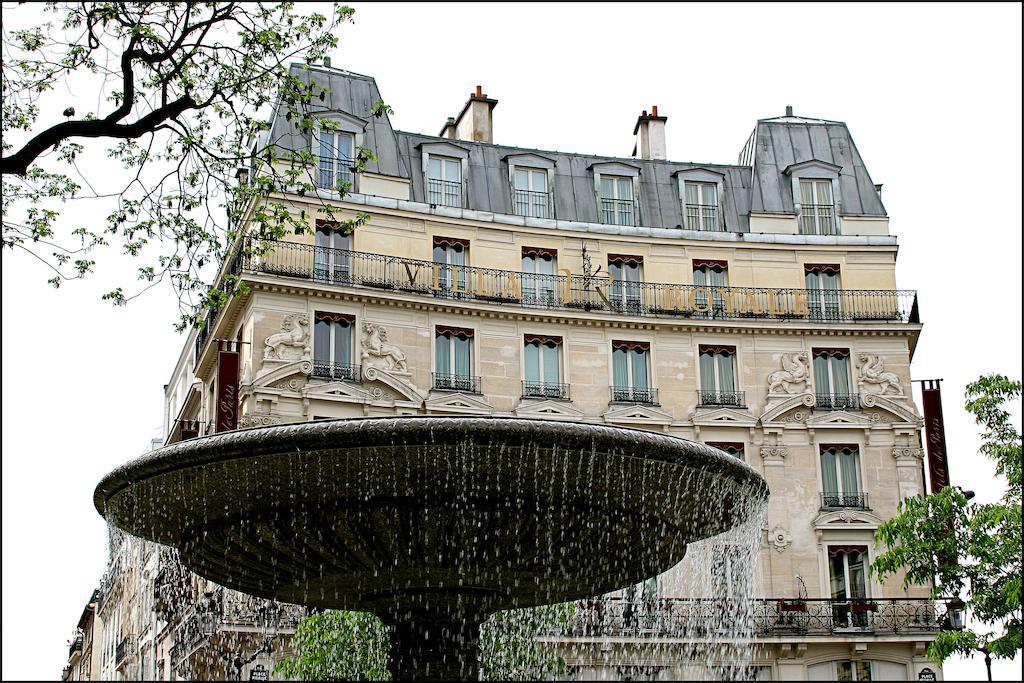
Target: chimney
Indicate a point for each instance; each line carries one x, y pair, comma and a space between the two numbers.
476, 122
878, 189
789, 110
650, 135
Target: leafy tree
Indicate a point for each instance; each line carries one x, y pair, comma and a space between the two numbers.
985, 539
179, 97
354, 646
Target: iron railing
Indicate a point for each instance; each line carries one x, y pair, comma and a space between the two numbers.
732, 399
837, 401
332, 176
444, 192
703, 217
845, 500
530, 203
618, 211
647, 395
125, 648
818, 219
709, 617
323, 369
545, 390
467, 383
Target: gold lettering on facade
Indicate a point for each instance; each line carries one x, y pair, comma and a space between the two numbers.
800, 305
773, 304
706, 301
566, 284
674, 298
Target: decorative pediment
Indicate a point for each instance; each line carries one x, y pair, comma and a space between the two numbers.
838, 418
532, 160
723, 416
288, 376
458, 402
445, 149
549, 410
892, 404
637, 415
400, 382
779, 405
813, 165
343, 391
847, 518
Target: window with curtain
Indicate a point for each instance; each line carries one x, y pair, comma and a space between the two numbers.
453, 359
444, 181
832, 379
701, 206
733, 448
451, 256
840, 477
542, 361
617, 206
332, 346
631, 372
626, 290
718, 376
336, 154
848, 581
332, 258
823, 291
859, 670
539, 281
817, 209
530, 190
713, 276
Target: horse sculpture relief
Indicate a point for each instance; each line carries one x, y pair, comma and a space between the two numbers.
796, 372
875, 380
292, 342
378, 351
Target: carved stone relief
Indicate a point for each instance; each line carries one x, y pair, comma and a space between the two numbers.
874, 380
907, 453
793, 378
292, 342
774, 453
258, 420
379, 352
780, 538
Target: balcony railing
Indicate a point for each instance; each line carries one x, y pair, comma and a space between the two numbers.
845, 500
837, 401
125, 649
618, 211
444, 192
703, 217
709, 399
818, 219
530, 203
467, 383
710, 617
545, 390
76, 645
336, 371
647, 395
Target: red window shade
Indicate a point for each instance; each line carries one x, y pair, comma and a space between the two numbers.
541, 339
451, 241
720, 349
463, 332
625, 258
837, 549
631, 345
730, 447
821, 268
834, 353
839, 448
710, 263
540, 251
334, 317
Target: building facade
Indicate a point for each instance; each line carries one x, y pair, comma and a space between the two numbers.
752, 306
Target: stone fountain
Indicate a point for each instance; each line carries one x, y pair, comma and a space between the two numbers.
431, 523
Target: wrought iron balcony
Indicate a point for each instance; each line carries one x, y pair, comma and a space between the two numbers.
444, 192
125, 649
466, 383
686, 618
837, 401
323, 369
710, 399
646, 395
703, 217
545, 390
76, 645
845, 500
530, 203
618, 211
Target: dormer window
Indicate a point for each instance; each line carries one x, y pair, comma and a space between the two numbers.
336, 157
531, 192
701, 209
444, 181
817, 208
617, 200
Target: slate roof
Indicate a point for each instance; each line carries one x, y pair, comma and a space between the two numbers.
758, 185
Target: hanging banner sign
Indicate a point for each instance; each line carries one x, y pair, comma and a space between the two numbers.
935, 435
227, 386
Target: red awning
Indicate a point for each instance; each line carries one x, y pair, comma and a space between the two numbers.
720, 349
541, 339
710, 263
631, 345
463, 332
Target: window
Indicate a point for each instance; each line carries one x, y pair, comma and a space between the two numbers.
335, 151
453, 359
847, 567
332, 258
539, 281
332, 346
626, 290
832, 379
701, 206
631, 372
444, 181
840, 477
822, 291
531, 192
817, 210
542, 359
713, 276
718, 376
451, 255
853, 671
733, 448
617, 200
640, 604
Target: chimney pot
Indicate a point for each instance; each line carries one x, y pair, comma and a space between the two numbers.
789, 110
479, 91
654, 110
644, 113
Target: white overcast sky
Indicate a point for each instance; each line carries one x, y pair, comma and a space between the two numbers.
932, 95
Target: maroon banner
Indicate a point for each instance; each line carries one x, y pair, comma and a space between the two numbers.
935, 435
227, 388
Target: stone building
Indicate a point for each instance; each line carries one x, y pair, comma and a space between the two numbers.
750, 305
